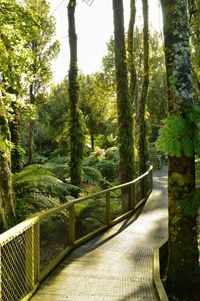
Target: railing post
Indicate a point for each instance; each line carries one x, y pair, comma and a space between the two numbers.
132, 196
36, 252
71, 225
108, 215
151, 179
30, 257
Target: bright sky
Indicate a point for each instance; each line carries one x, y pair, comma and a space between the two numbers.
94, 27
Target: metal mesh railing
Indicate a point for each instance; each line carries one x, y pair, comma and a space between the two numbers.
53, 237
18, 265
30, 250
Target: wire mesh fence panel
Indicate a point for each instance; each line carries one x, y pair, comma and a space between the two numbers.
90, 215
53, 237
16, 262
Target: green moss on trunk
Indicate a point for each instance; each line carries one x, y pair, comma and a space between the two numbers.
183, 263
76, 122
124, 107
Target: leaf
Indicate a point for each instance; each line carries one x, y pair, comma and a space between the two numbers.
176, 137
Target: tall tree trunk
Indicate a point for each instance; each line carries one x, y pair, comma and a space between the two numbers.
183, 265
131, 64
16, 152
130, 50
124, 107
92, 140
7, 208
142, 147
30, 137
76, 123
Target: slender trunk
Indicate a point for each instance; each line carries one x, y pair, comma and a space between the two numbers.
92, 140
124, 107
142, 149
76, 123
7, 208
131, 65
30, 142
183, 261
30, 138
130, 50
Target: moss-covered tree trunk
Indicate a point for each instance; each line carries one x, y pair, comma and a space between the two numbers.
124, 107
76, 122
183, 265
142, 143
16, 152
130, 50
7, 208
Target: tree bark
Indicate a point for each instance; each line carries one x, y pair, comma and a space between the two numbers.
76, 124
130, 50
124, 107
183, 264
16, 152
7, 207
142, 147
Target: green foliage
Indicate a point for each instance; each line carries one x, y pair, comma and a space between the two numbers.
112, 154
91, 175
5, 146
60, 170
108, 169
38, 188
176, 137
52, 136
92, 160
60, 160
95, 104
190, 203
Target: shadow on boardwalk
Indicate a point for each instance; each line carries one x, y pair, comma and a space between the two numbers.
116, 265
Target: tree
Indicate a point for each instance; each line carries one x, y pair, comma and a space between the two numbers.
130, 50
194, 8
95, 104
76, 118
42, 52
124, 108
156, 98
52, 135
14, 61
177, 138
142, 144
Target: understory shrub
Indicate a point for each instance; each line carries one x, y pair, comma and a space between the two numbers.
37, 188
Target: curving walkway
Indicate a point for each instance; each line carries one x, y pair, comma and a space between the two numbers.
116, 265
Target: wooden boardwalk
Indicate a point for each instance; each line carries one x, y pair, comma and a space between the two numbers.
116, 265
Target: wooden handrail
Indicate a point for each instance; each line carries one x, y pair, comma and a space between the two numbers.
16, 230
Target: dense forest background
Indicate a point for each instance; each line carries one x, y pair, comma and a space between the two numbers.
37, 118
92, 131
